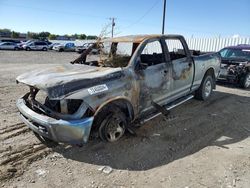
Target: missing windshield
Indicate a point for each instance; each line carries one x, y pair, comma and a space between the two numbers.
116, 54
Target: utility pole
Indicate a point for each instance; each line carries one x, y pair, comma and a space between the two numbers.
113, 25
163, 17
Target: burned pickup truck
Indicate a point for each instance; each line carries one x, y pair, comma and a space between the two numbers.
133, 81
235, 65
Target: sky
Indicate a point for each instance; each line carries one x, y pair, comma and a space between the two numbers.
191, 18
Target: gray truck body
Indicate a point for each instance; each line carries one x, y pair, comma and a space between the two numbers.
131, 87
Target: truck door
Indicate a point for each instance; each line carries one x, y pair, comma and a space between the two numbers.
182, 66
154, 75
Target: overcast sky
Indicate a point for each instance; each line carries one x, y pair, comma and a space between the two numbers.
196, 18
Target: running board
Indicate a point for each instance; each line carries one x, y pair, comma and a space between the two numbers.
169, 107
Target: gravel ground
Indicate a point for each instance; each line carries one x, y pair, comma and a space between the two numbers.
202, 144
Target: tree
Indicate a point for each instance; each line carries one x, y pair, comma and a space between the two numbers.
52, 37
82, 36
91, 37
14, 34
32, 35
5, 30
44, 34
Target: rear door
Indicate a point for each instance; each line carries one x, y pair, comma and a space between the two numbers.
182, 66
39, 45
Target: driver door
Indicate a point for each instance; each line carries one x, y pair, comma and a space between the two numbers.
154, 75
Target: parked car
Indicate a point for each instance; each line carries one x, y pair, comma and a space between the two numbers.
9, 46
85, 46
49, 43
36, 45
10, 40
235, 66
27, 42
141, 77
68, 47
53, 44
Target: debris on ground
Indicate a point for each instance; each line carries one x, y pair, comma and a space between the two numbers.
40, 172
106, 169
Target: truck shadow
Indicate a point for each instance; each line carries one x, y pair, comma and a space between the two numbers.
219, 122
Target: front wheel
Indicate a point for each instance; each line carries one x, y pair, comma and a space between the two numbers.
113, 125
245, 81
206, 88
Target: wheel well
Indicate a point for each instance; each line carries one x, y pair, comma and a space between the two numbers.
101, 113
210, 71
123, 104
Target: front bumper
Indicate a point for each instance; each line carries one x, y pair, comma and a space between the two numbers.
66, 131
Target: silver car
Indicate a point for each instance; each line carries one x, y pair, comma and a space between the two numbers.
36, 45
9, 46
68, 47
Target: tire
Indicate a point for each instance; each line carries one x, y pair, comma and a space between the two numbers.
45, 49
60, 50
245, 81
112, 123
16, 48
28, 49
206, 88
46, 141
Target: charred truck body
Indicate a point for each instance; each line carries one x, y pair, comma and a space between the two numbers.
235, 65
134, 79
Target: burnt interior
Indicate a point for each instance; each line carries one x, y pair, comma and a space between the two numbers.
110, 59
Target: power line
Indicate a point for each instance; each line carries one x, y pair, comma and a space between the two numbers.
147, 12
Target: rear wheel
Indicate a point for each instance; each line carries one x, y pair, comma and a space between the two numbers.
28, 49
16, 48
245, 81
206, 88
60, 50
45, 49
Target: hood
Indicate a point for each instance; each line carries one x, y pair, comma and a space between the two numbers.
234, 61
61, 80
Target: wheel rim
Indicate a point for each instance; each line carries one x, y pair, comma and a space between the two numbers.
114, 129
208, 88
247, 83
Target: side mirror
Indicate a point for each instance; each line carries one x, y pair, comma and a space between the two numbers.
139, 65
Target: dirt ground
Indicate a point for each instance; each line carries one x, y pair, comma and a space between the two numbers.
202, 144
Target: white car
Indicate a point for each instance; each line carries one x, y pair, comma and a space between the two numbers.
37, 45
9, 46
